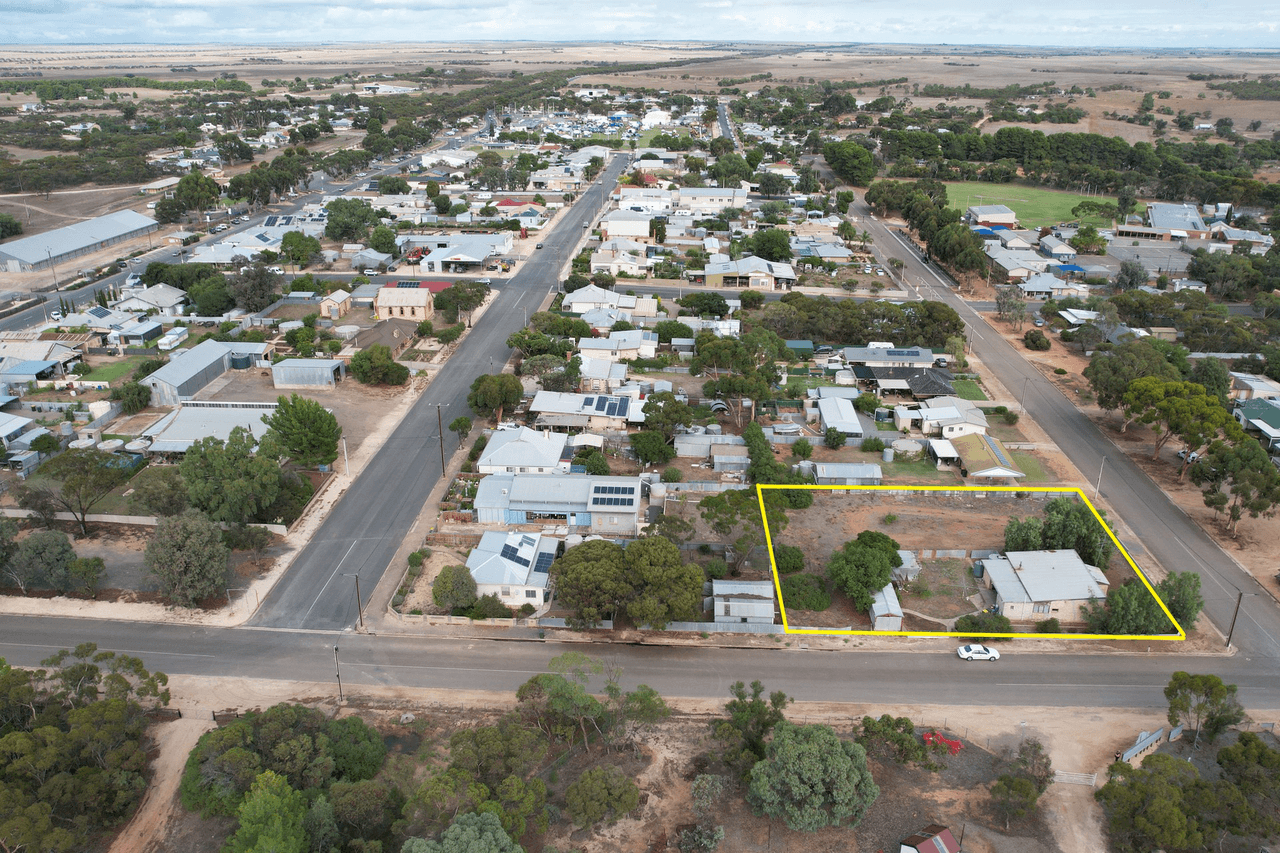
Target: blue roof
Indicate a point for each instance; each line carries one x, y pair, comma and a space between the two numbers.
30, 367
1068, 267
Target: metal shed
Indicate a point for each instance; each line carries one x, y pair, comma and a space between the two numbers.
886, 612
308, 373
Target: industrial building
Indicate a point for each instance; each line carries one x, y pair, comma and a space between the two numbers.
308, 373
184, 377
39, 251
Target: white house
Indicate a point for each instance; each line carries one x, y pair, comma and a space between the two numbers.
513, 566
524, 451
1035, 585
625, 223
160, 298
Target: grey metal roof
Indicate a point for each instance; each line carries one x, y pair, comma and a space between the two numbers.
1041, 576
73, 238
1182, 217
177, 431
523, 447
885, 603
512, 558
848, 470
198, 358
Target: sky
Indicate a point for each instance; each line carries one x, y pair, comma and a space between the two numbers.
1084, 23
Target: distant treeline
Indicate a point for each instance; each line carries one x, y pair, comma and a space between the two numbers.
1013, 90
57, 90
1264, 89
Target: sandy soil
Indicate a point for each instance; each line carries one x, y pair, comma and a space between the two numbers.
174, 740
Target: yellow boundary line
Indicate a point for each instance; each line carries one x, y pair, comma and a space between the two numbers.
787, 629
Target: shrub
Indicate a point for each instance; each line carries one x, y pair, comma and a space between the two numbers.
1060, 371
1049, 626
1010, 418
417, 557
1036, 340
981, 624
672, 475
999, 410
833, 438
489, 607
245, 538
397, 600
788, 558
716, 569
872, 445
527, 610
889, 519
805, 592
802, 449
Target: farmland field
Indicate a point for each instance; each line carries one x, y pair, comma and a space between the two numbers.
1035, 207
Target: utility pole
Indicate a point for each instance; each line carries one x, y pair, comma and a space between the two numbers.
359, 605
337, 669
440, 426
1098, 487
1231, 632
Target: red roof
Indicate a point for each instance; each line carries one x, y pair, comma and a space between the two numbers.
933, 839
510, 202
433, 286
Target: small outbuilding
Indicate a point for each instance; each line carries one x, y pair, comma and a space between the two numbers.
886, 612
848, 474
734, 601
308, 373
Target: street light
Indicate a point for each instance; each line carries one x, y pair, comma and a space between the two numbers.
359, 604
338, 670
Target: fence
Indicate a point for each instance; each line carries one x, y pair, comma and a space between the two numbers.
453, 540
725, 627
143, 520
1146, 742
126, 351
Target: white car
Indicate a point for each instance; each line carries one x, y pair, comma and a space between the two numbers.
55, 315
506, 425
275, 270
977, 651
1193, 457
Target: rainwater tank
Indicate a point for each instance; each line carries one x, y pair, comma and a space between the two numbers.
241, 361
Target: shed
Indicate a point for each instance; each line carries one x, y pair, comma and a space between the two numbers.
886, 612
848, 474
741, 601
308, 373
909, 569
802, 349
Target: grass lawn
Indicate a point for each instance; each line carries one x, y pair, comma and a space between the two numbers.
967, 389
113, 372
997, 428
1030, 466
920, 469
1035, 206
645, 139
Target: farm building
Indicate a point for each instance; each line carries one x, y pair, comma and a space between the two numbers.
38, 251
184, 377
1033, 585
308, 373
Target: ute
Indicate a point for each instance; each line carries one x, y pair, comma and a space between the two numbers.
414, 255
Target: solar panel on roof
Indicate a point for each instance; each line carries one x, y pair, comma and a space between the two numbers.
99, 312
623, 405
407, 285
902, 352
612, 410
602, 403
544, 562
271, 221
995, 449
509, 552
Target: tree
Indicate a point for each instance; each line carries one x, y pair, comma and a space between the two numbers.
1087, 241
772, 244
188, 557
470, 832
1035, 339
132, 396
492, 393
47, 444
461, 426
1111, 373
1131, 276
772, 184
802, 449
1180, 592
664, 413
863, 566
668, 329
227, 481
395, 185
303, 430
734, 516
1013, 797
255, 287
383, 239
1214, 376
45, 554
811, 779
1245, 471
271, 818
1203, 703
374, 365
666, 588
1024, 535
600, 793
1128, 609
651, 447
851, 162
658, 230
349, 219
751, 719
454, 588
9, 226
196, 191
833, 438
298, 248
162, 492
596, 463
592, 582
751, 299
87, 476
1146, 808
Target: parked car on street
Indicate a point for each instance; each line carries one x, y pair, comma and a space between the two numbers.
977, 651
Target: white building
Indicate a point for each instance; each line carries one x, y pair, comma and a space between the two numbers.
513, 566
524, 451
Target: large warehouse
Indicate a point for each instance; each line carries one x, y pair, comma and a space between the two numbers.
183, 377
62, 244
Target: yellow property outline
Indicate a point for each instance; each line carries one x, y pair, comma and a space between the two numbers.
787, 629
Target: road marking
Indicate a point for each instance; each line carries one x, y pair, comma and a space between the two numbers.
107, 649
334, 574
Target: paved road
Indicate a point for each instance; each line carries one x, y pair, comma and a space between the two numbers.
372, 519
933, 677
1160, 527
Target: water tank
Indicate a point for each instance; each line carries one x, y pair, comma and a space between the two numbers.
68, 429
111, 445
241, 361
697, 429
141, 445
572, 539
907, 445
887, 456
82, 444
714, 429
346, 332
658, 492
289, 326
978, 569
807, 467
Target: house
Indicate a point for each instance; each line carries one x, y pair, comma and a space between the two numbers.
1059, 250
192, 422
620, 261
603, 505
1036, 585
920, 383
886, 612
405, 300
708, 201
839, 413
848, 474
880, 354
160, 298
1017, 265
621, 346
1045, 286
602, 320
370, 259
561, 179
1259, 243
395, 335
948, 417
991, 214
513, 566
749, 272
630, 224
1013, 240
1263, 417
931, 839
1077, 317
810, 249
558, 410
336, 305
586, 298
736, 602
525, 451
600, 375
1249, 386
138, 333
984, 458
186, 375
702, 445
98, 319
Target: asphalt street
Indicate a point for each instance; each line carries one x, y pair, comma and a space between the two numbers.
369, 523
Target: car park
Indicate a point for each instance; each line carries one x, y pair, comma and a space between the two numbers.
977, 651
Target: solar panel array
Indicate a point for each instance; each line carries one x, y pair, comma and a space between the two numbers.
407, 285
544, 562
509, 552
99, 312
271, 221
602, 492
999, 454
